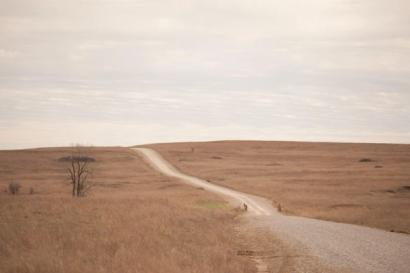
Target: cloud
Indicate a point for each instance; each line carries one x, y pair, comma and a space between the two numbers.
296, 66
7, 53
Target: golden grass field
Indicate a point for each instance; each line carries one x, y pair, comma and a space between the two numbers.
134, 220
364, 184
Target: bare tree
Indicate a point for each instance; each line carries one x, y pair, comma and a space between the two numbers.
79, 170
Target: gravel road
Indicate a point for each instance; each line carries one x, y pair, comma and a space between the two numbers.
336, 246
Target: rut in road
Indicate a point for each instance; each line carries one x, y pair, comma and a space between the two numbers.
319, 246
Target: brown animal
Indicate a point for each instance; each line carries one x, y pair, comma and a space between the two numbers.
245, 207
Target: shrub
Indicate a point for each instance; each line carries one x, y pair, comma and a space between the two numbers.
14, 188
366, 160
31, 190
404, 189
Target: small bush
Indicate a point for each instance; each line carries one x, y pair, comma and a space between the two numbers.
366, 160
404, 189
31, 190
14, 188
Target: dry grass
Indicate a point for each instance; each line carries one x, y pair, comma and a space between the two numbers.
366, 184
134, 220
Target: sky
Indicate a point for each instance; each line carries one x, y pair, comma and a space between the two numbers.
121, 72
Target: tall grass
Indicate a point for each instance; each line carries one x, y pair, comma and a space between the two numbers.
115, 235
133, 222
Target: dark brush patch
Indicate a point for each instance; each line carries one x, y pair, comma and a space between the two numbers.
169, 186
402, 189
364, 160
345, 206
77, 159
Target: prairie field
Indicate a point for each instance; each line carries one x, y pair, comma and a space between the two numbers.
364, 184
133, 220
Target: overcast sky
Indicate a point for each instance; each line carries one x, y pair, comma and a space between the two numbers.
119, 72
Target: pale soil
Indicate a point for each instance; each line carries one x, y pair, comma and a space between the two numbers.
317, 180
134, 220
312, 245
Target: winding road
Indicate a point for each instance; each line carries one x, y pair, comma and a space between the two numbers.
336, 246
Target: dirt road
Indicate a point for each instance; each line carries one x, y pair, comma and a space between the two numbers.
318, 246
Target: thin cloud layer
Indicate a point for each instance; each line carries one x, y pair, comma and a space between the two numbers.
194, 70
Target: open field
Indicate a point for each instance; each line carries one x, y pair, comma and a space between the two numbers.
134, 220
365, 184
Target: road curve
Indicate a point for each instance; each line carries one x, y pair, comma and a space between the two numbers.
341, 247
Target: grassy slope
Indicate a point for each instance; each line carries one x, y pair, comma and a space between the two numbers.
319, 180
134, 221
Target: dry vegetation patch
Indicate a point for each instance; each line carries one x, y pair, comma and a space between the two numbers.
134, 220
362, 184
